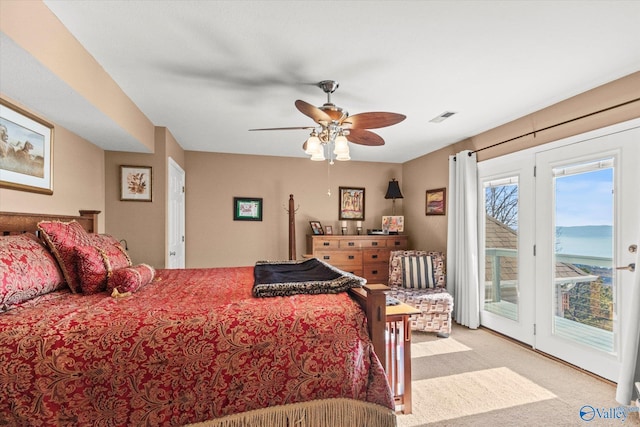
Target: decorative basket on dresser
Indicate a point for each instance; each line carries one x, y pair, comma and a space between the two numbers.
363, 255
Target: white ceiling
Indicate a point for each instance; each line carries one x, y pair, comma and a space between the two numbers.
211, 70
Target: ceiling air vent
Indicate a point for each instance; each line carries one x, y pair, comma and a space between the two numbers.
442, 117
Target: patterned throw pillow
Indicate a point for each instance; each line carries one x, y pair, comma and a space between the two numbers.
96, 263
62, 238
27, 270
131, 279
417, 272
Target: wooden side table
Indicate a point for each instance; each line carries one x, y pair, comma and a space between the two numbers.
398, 353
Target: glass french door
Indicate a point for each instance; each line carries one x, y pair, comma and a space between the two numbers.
586, 202
506, 266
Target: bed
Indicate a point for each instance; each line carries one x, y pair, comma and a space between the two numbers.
190, 347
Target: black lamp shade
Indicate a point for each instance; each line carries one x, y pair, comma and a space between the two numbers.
393, 192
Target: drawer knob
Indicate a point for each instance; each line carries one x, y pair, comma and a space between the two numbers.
374, 256
351, 257
374, 243
325, 243
374, 272
396, 243
351, 243
326, 257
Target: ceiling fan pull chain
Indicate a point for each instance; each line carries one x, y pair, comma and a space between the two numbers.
329, 179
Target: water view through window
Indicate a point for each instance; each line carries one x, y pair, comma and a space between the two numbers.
584, 284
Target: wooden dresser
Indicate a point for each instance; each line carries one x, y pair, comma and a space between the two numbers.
364, 255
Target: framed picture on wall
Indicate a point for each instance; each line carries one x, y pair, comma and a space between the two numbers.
26, 150
136, 183
436, 203
351, 200
247, 209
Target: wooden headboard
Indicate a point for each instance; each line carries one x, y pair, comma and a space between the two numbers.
18, 222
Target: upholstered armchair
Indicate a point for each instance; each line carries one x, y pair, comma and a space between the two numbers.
418, 278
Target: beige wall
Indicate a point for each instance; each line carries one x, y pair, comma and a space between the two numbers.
33, 26
431, 170
142, 224
78, 179
213, 180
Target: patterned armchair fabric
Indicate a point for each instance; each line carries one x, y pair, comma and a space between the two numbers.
435, 304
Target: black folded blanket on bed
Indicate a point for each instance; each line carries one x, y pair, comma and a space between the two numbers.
311, 276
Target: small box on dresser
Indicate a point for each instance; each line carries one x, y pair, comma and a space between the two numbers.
363, 255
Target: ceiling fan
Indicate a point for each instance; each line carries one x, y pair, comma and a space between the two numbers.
336, 126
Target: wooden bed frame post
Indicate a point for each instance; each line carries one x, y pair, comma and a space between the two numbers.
93, 215
373, 300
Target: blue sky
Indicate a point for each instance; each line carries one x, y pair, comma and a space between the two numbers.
585, 199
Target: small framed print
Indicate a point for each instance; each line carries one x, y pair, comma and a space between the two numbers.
136, 183
316, 227
328, 230
26, 150
247, 209
393, 224
436, 202
351, 203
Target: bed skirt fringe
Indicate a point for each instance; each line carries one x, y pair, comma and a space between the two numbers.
316, 413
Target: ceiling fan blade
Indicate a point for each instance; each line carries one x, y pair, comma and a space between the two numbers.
315, 113
364, 137
286, 128
373, 120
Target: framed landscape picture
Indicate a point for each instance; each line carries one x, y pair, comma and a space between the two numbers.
436, 201
26, 150
247, 209
135, 183
351, 202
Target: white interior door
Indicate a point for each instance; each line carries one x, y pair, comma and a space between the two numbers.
586, 220
176, 216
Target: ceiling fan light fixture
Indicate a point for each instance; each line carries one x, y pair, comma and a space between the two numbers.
341, 145
313, 144
318, 155
343, 157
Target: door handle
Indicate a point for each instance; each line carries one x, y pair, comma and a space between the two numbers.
171, 253
631, 267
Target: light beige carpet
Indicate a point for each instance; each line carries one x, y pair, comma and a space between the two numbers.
476, 378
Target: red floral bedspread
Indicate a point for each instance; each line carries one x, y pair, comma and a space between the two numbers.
193, 345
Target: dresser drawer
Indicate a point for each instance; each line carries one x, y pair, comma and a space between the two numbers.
337, 258
397, 244
373, 243
350, 244
377, 272
375, 255
320, 244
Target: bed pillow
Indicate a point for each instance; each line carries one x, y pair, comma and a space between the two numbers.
62, 238
95, 263
130, 279
27, 270
417, 272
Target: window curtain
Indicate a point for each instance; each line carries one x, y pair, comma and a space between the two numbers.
630, 368
462, 239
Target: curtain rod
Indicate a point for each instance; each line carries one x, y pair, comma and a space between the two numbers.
556, 125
